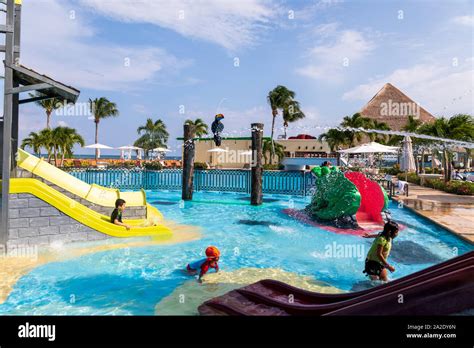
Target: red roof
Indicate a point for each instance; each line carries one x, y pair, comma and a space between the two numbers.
303, 136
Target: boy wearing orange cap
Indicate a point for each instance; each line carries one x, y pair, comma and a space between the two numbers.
203, 265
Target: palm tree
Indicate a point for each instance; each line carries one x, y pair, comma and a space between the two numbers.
46, 140
374, 124
356, 121
34, 142
201, 128
459, 127
280, 98
292, 113
49, 105
335, 139
278, 149
64, 139
101, 108
152, 135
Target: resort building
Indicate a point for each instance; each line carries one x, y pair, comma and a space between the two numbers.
237, 151
392, 106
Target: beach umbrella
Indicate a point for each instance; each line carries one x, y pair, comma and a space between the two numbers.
98, 147
407, 161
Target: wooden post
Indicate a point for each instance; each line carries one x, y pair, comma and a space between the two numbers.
256, 196
188, 163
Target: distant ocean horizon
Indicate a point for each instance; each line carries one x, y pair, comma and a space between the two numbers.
117, 157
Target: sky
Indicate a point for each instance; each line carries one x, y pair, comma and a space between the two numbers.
176, 59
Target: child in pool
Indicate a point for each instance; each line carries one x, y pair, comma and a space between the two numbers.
203, 265
116, 217
376, 263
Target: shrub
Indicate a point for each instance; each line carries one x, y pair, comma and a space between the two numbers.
411, 177
200, 165
394, 170
154, 165
273, 167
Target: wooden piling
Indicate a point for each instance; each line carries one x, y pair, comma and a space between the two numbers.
256, 197
188, 163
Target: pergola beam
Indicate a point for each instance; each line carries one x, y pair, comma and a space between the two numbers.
35, 87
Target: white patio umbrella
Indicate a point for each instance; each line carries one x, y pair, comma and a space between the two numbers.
436, 162
407, 160
217, 149
161, 149
98, 147
372, 147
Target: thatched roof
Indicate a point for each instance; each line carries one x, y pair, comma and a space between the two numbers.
392, 106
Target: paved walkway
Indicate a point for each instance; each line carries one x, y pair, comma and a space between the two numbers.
453, 212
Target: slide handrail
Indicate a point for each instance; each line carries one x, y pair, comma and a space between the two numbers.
93, 193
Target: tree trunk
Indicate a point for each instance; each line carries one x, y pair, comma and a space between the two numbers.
55, 157
447, 166
423, 161
188, 163
256, 196
274, 114
96, 138
48, 119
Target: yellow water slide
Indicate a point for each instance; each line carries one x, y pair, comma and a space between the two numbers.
96, 194
93, 193
89, 217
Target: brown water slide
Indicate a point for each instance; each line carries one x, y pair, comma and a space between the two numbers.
450, 284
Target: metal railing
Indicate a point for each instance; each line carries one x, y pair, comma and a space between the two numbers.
298, 183
229, 180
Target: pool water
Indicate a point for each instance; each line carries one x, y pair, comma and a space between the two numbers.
132, 281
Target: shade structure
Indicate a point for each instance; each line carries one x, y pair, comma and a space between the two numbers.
128, 148
98, 147
217, 149
407, 160
372, 147
161, 149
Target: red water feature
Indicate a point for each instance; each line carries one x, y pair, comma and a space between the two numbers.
372, 198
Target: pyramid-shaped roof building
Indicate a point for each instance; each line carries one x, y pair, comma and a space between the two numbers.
392, 106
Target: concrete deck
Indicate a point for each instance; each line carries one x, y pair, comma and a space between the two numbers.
452, 212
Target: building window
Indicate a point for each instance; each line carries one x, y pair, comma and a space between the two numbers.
299, 147
314, 147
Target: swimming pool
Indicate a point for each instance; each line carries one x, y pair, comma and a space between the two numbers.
132, 281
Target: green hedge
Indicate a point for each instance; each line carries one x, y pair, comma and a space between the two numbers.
273, 167
200, 165
457, 187
411, 177
155, 165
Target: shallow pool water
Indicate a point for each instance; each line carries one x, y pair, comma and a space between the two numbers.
132, 281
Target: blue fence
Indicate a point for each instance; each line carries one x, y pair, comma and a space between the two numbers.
231, 180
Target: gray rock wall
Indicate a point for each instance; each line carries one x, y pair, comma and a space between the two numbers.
32, 221
129, 213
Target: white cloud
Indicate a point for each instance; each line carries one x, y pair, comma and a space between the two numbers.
335, 52
442, 90
464, 20
231, 24
63, 44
